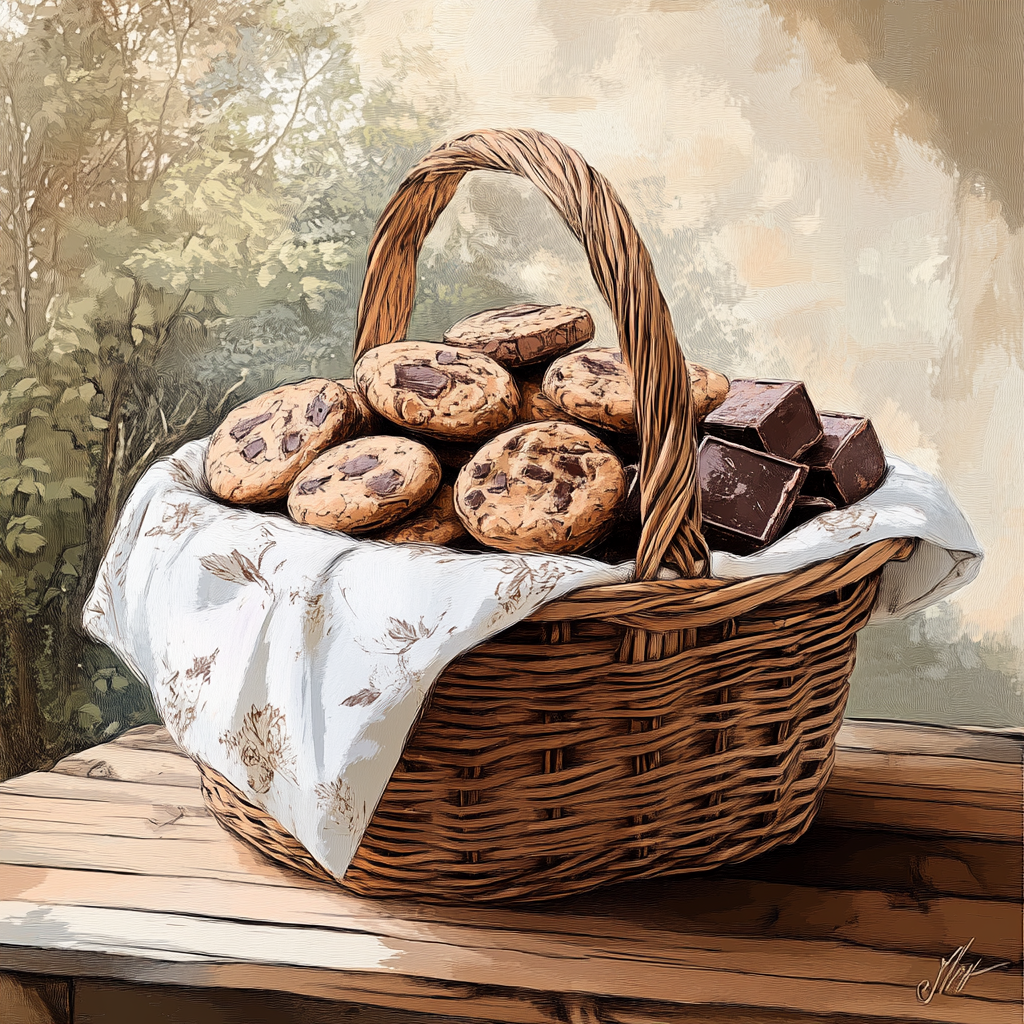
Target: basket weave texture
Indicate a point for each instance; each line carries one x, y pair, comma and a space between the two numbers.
655, 727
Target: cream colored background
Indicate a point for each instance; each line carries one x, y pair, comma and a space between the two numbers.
803, 219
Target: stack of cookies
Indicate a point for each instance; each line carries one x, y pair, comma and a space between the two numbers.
510, 434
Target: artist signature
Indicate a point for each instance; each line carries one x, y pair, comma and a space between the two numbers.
953, 975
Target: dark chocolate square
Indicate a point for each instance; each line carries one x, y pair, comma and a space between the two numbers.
847, 463
773, 416
746, 495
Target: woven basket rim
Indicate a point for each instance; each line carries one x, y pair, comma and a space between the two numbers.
616, 601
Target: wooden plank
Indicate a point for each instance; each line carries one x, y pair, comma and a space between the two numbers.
1003, 745
648, 914
145, 737
866, 918
34, 999
931, 771
53, 785
456, 1001
478, 1003
113, 1002
97, 817
122, 763
805, 978
977, 775
945, 816
650, 927
188, 858
902, 864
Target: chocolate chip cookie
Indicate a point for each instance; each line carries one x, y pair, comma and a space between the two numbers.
364, 484
523, 334
438, 390
708, 389
595, 385
261, 446
435, 523
540, 487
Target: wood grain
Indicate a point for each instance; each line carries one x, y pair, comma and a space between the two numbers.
34, 999
130, 878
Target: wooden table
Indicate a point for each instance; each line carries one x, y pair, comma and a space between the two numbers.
115, 883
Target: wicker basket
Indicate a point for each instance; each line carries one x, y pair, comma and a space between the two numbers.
626, 731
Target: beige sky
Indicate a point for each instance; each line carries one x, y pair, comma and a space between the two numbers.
794, 213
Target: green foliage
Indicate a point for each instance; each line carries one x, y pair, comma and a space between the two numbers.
186, 194
187, 190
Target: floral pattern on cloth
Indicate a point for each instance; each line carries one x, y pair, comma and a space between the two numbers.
295, 661
260, 743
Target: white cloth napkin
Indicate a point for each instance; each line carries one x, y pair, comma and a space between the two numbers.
294, 661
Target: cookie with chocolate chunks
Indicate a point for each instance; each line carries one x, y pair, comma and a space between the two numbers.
540, 487
260, 447
438, 390
708, 389
523, 334
435, 523
594, 385
365, 484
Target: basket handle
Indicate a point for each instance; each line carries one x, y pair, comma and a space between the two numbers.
622, 269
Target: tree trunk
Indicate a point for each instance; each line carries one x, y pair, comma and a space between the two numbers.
26, 732
105, 510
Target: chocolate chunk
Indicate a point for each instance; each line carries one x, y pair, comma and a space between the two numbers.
746, 496
359, 465
500, 485
602, 367
847, 463
514, 443
254, 449
773, 416
806, 508
243, 427
563, 495
474, 500
385, 483
291, 442
446, 356
572, 466
318, 410
480, 470
313, 485
538, 473
424, 381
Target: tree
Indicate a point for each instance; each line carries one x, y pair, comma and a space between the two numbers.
186, 196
